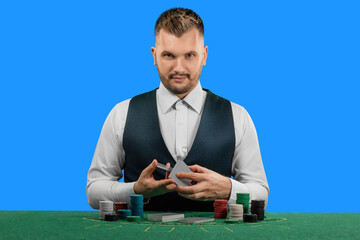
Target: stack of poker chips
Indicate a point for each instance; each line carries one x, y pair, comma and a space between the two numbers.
243, 199
111, 217
137, 205
250, 218
236, 211
258, 208
133, 218
106, 207
120, 205
220, 209
124, 213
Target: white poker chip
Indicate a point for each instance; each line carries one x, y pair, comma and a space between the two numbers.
106, 207
236, 211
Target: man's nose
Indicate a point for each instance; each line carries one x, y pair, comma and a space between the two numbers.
179, 65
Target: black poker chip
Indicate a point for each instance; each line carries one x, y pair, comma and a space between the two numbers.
260, 216
258, 203
111, 217
250, 218
258, 208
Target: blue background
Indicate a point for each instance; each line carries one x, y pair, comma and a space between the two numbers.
294, 65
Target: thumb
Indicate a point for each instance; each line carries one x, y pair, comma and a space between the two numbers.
151, 168
167, 172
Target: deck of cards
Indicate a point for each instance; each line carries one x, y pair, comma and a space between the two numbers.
180, 166
165, 217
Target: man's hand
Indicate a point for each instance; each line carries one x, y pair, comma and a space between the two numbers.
210, 185
149, 187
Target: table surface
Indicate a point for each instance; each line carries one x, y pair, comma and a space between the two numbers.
87, 225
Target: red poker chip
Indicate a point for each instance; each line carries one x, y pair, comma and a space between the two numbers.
220, 202
122, 207
216, 206
223, 213
224, 206
120, 203
221, 209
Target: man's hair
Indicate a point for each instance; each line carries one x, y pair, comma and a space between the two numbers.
177, 21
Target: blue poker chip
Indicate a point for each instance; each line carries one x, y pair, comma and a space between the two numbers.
124, 213
137, 205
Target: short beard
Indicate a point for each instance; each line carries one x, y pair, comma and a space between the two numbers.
176, 90
184, 89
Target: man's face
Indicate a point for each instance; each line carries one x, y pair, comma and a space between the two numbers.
179, 60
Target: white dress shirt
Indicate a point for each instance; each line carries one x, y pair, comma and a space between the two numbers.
179, 121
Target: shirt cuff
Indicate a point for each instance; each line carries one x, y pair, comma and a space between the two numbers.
236, 187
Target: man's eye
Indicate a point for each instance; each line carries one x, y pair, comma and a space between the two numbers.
168, 55
190, 54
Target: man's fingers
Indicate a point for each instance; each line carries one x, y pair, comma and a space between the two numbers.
198, 169
150, 169
167, 172
162, 183
190, 189
193, 176
170, 187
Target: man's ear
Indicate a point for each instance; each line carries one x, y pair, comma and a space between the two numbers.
153, 50
205, 55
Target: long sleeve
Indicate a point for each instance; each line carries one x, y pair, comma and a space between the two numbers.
247, 167
108, 161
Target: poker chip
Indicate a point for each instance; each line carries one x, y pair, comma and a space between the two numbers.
220, 209
124, 213
120, 205
230, 220
258, 208
133, 218
250, 218
243, 199
106, 207
137, 205
236, 211
111, 217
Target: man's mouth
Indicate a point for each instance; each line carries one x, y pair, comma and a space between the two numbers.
178, 78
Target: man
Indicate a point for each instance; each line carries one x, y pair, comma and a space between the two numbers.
179, 121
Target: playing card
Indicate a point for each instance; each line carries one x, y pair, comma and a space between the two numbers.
180, 166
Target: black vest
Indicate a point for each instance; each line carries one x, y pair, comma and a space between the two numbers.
213, 146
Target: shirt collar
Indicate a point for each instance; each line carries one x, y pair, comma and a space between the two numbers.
195, 98
167, 99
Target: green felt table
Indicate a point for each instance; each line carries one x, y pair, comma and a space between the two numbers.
87, 225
